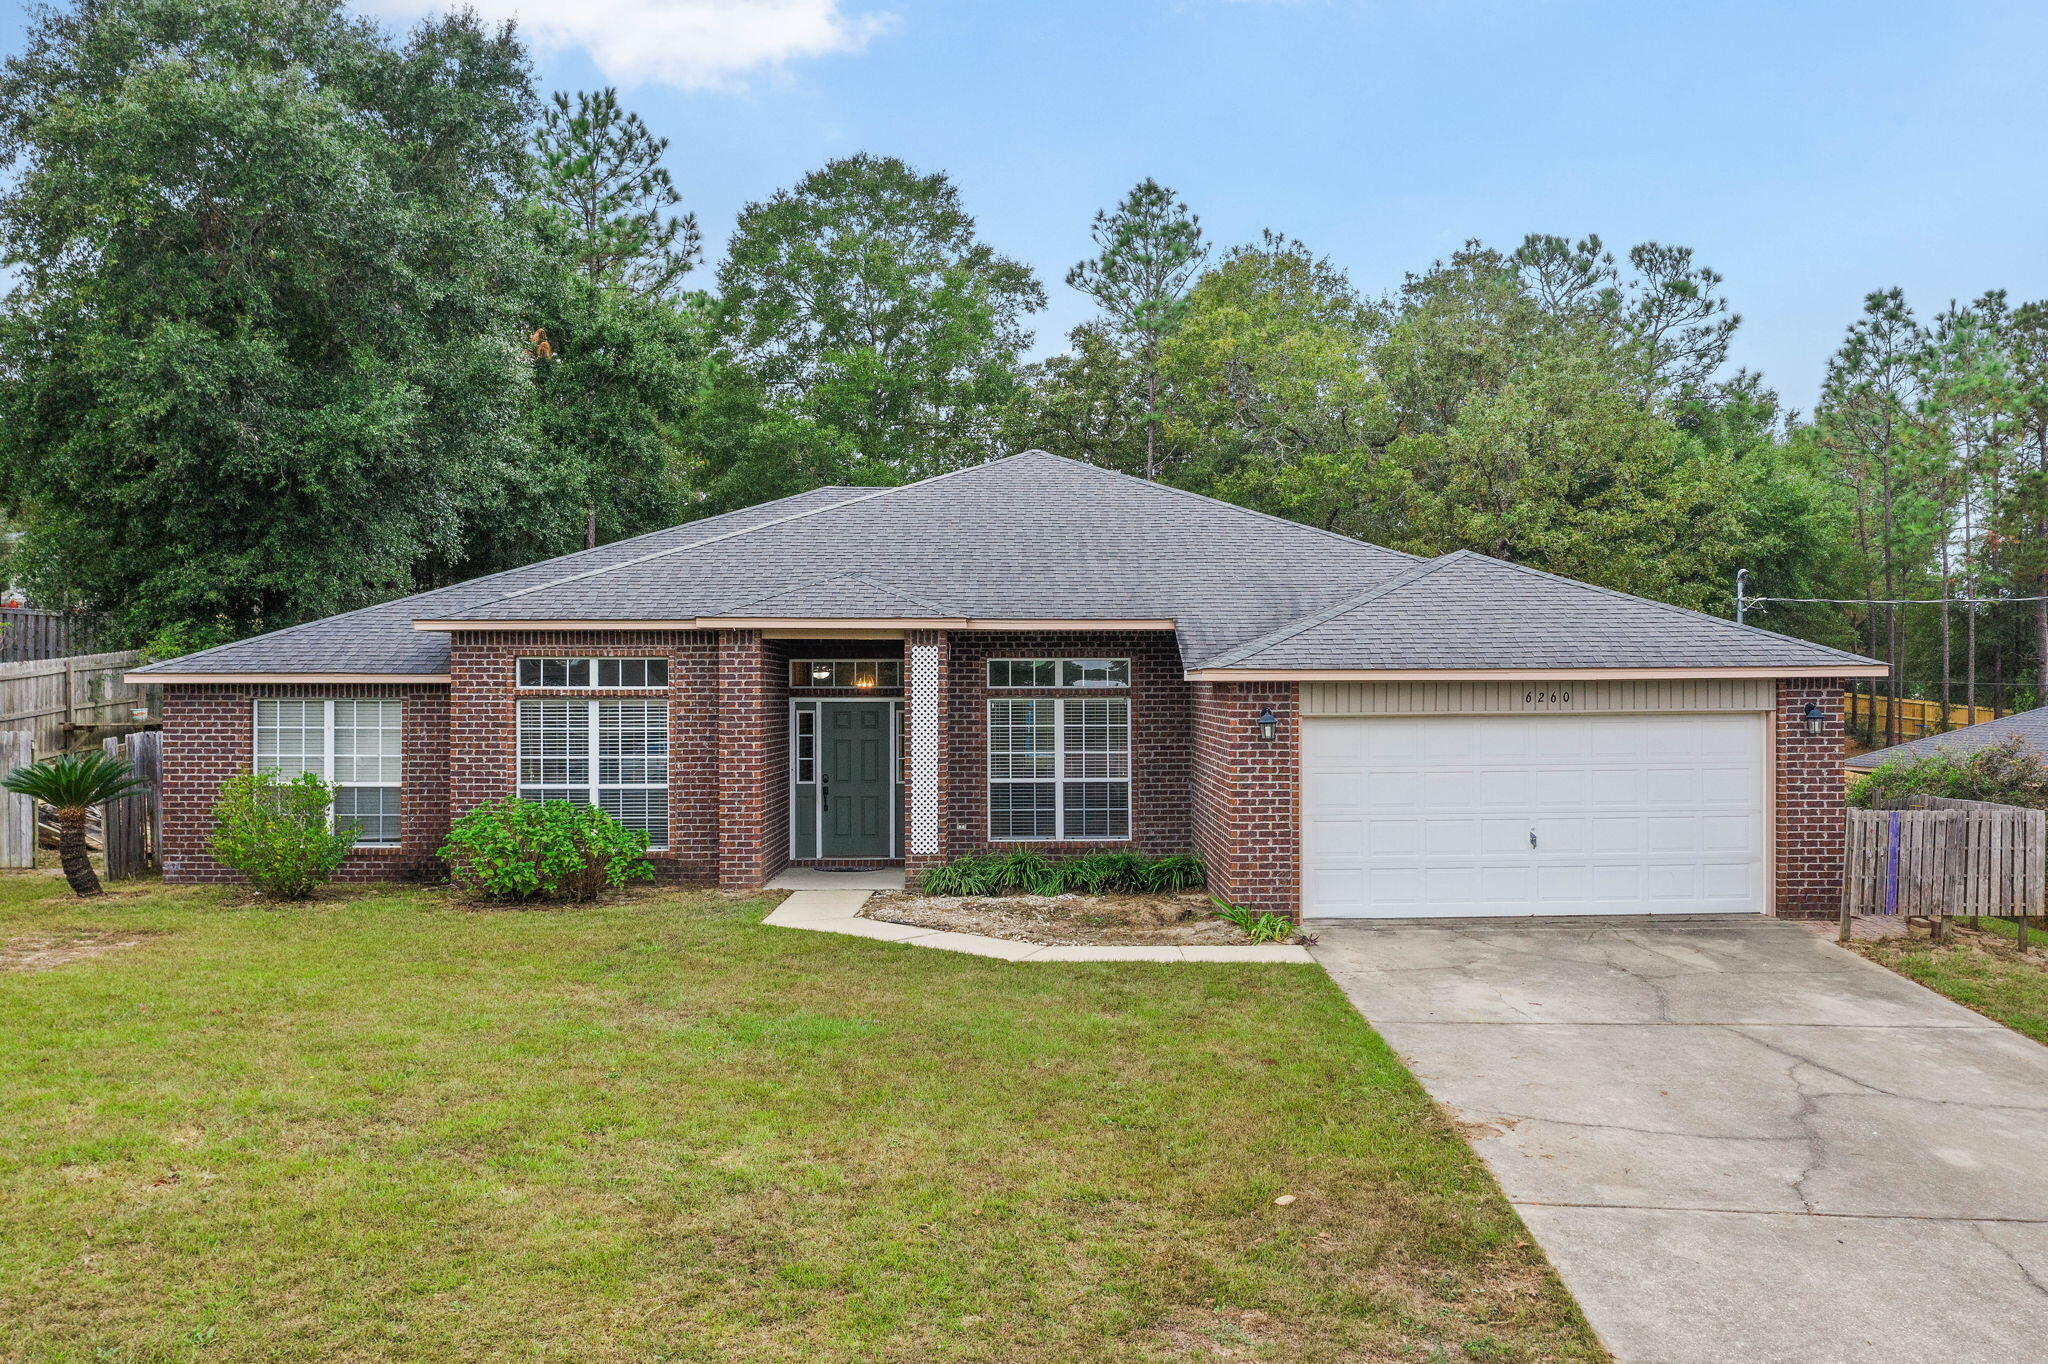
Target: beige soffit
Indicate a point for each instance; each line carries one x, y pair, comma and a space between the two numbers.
790, 623
1521, 674
387, 679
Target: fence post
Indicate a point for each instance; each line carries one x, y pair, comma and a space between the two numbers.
17, 813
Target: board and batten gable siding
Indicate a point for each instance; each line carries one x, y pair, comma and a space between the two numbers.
1535, 696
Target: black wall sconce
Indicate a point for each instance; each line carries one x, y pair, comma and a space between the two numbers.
1267, 725
1814, 718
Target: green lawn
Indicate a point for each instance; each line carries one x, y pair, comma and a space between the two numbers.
388, 1127
1989, 976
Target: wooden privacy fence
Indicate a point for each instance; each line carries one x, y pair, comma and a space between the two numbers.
27, 633
1946, 858
1917, 719
129, 826
17, 813
48, 694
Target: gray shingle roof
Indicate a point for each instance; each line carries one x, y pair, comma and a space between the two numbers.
2029, 726
380, 639
1466, 610
1036, 537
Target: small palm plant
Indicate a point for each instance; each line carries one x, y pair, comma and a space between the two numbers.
73, 783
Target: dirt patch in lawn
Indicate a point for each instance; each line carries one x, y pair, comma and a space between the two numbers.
42, 951
1166, 920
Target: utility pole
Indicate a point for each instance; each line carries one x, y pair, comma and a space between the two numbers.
1741, 593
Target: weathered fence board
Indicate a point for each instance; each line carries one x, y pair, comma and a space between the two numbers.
17, 813
129, 825
45, 695
27, 633
1946, 857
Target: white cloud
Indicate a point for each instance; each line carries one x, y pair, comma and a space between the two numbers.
695, 44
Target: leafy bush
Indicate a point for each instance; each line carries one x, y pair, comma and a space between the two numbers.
520, 850
1260, 928
2009, 773
1026, 871
275, 831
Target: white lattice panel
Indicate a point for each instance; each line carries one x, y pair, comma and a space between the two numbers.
924, 750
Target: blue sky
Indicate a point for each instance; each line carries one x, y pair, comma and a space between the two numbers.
1809, 151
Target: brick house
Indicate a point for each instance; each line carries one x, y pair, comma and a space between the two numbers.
1036, 651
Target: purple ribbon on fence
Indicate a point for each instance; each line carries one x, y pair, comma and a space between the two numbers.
1891, 868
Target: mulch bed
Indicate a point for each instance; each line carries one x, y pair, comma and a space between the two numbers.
1165, 920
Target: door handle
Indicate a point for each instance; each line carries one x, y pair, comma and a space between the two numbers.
1532, 838
825, 791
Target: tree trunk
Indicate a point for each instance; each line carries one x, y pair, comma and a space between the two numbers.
71, 852
2041, 647
1970, 683
590, 528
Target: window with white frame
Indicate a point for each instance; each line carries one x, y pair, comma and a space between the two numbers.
1067, 674
1059, 769
353, 745
579, 674
861, 673
611, 754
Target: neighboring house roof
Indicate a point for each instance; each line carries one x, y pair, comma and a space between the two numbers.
1038, 538
2029, 726
1468, 611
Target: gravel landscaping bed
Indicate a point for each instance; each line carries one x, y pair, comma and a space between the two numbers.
1167, 920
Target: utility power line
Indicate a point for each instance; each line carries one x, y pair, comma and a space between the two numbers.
1743, 601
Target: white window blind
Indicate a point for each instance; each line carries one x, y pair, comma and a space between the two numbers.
354, 745
611, 754
1059, 769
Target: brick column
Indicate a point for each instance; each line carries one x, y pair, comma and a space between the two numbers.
1808, 804
1247, 803
927, 699
750, 852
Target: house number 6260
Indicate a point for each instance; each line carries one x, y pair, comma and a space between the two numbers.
1546, 698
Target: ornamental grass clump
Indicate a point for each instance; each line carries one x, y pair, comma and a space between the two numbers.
525, 850
275, 830
71, 784
1026, 871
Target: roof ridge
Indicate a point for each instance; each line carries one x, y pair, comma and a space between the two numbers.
1220, 502
450, 587
759, 525
1286, 632
1844, 654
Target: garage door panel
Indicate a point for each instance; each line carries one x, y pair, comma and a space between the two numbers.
1632, 814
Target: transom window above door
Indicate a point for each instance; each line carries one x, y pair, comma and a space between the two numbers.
1065, 673
575, 674
862, 673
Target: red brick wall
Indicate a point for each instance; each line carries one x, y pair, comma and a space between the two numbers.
1246, 819
1808, 816
1159, 697
753, 761
485, 693
210, 735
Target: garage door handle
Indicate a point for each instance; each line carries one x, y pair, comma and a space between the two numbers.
1532, 838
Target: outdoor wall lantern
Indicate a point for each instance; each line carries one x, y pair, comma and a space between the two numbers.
1268, 725
1814, 718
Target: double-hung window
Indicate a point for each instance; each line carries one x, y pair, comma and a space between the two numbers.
353, 745
1059, 769
611, 754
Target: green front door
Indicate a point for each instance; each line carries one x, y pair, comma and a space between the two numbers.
854, 779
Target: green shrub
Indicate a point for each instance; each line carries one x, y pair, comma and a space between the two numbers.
275, 831
2009, 773
1026, 871
520, 850
1260, 928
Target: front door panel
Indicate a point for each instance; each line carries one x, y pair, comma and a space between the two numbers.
854, 779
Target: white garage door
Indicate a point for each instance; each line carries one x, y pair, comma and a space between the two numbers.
1436, 816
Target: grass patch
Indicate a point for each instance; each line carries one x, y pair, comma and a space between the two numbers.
1980, 970
385, 1126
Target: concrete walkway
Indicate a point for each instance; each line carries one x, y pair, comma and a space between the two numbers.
1738, 1143
838, 911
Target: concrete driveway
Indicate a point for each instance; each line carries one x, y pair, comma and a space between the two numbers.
1737, 1142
